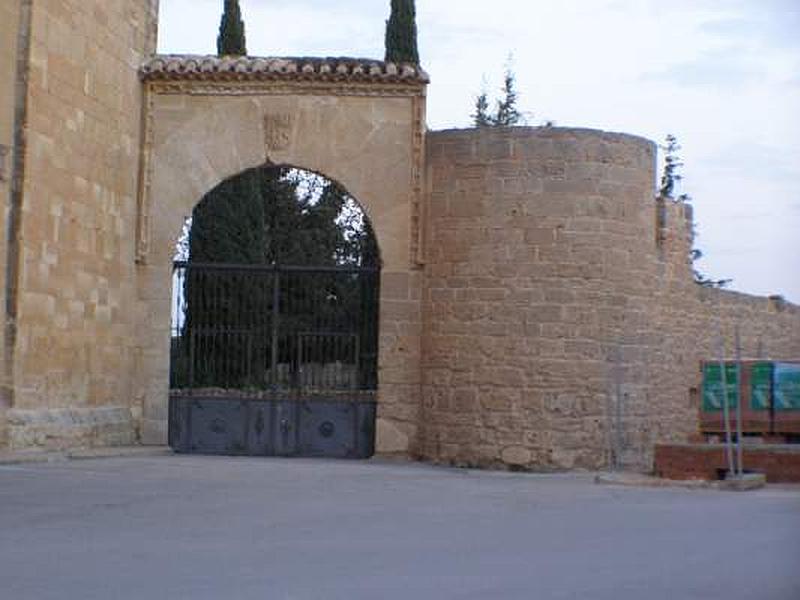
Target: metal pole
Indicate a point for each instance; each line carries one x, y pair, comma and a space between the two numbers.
725, 411
276, 299
739, 451
190, 330
612, 465
618, 437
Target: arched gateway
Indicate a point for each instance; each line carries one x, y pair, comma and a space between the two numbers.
274, 345
360, 123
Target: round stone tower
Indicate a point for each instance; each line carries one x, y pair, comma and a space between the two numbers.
541, 248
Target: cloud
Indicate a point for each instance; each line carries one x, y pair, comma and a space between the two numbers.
768, 24
748, 156
732, 67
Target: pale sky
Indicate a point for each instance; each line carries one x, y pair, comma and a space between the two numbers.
721, 75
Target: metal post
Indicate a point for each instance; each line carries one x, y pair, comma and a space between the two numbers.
618, 433
356, 377
276, 299
187, 274
191, 359
299, 374
725, 411
739, 451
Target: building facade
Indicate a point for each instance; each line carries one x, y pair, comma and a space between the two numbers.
536, 298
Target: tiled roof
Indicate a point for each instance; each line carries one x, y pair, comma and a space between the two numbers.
240, 68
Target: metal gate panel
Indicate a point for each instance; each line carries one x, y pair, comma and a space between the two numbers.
328, 429
260, 428
178, 425
365, 434
218, 426
274, 361
285, 429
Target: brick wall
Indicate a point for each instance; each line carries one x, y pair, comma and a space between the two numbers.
780, 463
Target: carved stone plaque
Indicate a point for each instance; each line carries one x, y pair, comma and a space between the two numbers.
278, 128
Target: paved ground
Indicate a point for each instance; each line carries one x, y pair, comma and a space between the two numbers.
195, 527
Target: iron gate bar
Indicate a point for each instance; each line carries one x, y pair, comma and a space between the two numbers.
272, 267
276, 312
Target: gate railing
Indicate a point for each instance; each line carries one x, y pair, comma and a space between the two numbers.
271, 327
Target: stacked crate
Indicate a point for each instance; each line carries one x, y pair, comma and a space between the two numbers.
786, 398
769, 392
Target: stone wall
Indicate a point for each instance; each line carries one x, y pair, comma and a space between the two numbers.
555, 284
364, 133
75, 327
9, 24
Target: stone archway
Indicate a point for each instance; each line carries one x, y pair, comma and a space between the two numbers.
274, 336
359, 123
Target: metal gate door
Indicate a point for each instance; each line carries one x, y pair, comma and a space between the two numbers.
273, 360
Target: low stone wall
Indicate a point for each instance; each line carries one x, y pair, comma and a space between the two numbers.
58, 429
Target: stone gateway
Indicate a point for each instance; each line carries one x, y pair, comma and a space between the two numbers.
537, 305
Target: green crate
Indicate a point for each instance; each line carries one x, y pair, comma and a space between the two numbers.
787, 386
712, 386
760, 385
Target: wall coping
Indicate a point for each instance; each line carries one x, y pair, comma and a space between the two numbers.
183, 67
544, 132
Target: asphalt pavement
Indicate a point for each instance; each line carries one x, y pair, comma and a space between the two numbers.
174, 527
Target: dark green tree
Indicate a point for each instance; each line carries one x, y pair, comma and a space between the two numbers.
231, 39
265, 216
401, 33
481, 117
670, 178
507, 114
672, 166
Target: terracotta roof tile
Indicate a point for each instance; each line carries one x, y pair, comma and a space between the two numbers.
251, 68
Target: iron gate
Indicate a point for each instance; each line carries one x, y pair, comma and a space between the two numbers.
273, 360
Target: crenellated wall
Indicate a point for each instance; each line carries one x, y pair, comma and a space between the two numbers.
555, 284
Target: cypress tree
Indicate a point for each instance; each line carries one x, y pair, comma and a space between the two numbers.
401, 33
231, 39
507, 113
672, 164
481, 116
670, 178
273, 215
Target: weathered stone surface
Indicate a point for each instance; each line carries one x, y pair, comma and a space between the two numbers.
56, 429
516, 455
390, 439
9, 25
